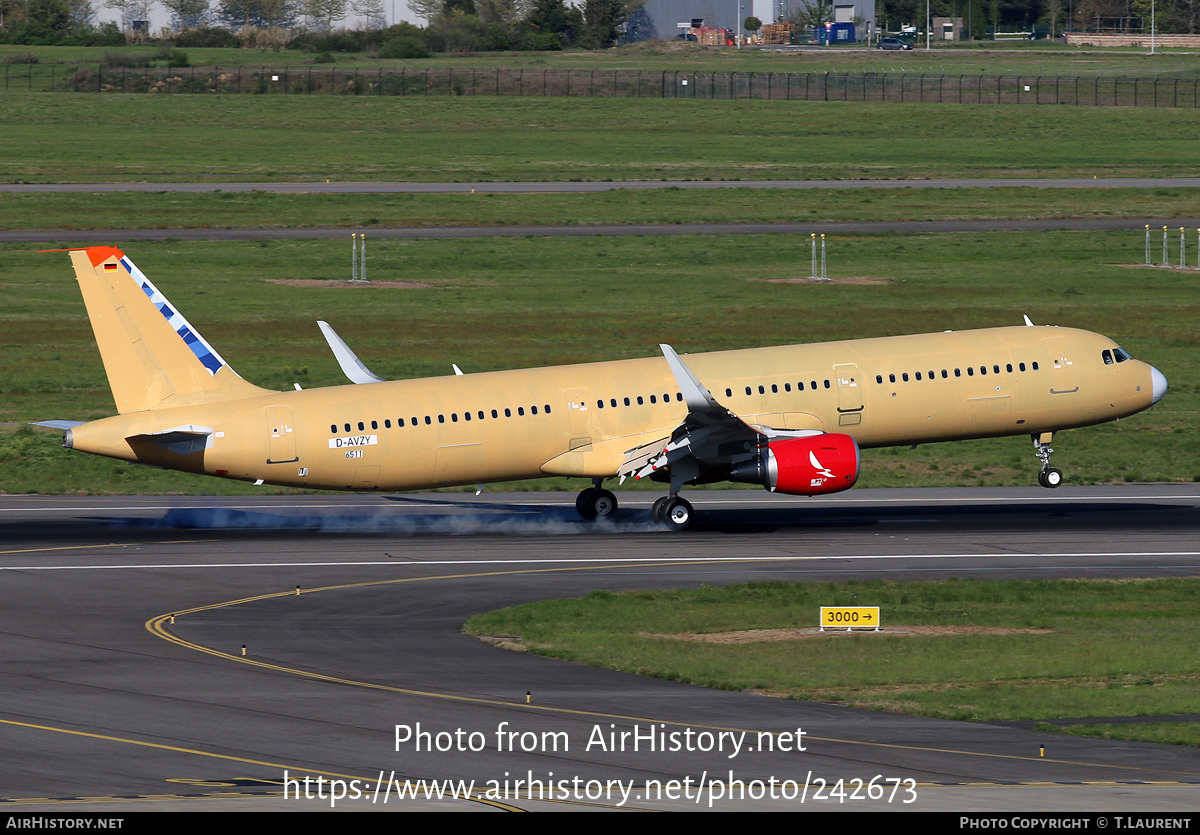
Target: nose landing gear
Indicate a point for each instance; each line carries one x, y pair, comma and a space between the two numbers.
1049, 476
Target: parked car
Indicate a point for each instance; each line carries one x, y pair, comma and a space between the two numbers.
894, 43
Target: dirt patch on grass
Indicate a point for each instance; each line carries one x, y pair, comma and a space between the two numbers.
754, 636
514, 643
854, 279
316, 282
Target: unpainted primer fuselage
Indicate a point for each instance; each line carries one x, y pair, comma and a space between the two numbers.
581, 420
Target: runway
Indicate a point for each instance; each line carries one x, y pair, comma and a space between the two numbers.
579, 187
109, 705
91, 236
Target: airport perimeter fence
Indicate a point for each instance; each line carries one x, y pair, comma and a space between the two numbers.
776, 86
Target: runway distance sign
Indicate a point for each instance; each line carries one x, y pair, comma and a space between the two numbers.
849, 617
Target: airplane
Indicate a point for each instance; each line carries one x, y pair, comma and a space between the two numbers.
791, 419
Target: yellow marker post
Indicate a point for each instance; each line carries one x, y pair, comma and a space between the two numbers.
243, 650
849, 617
528, 697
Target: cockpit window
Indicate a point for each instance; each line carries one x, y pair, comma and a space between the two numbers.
1108, 357
1121, 354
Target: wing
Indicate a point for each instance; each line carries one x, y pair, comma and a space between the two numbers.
710, 442
354, 369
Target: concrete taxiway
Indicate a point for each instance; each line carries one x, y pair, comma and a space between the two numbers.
126, 686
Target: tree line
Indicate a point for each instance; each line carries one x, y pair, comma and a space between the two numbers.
450, 25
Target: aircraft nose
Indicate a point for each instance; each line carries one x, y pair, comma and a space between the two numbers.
1158, 383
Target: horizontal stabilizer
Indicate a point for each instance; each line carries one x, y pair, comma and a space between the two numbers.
59, 424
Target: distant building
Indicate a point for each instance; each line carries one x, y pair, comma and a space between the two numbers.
947, 29
660, 19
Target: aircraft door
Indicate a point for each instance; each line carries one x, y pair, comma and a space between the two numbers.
281, 437
1062, 380
849, 390
579, 417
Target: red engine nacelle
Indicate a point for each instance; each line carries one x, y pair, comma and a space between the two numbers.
803, 466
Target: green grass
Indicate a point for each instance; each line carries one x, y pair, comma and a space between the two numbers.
1178, 733
524, 302
80, 138
166, 210
1101, 648
1041, 58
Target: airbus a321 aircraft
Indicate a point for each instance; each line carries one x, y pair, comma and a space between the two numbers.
790, 418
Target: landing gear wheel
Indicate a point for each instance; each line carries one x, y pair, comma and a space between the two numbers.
604, 504
678, 514
1050, 478
595, 502
658, 510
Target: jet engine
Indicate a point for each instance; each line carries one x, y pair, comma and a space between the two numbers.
810, 466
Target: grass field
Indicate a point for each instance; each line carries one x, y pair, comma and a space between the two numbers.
1042, 58
253, 210
508, 303
69, 137
998, 650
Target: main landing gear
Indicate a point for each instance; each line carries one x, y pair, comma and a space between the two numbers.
596, 503
673, 511
1049, 476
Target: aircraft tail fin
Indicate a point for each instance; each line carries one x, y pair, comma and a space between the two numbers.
152, 355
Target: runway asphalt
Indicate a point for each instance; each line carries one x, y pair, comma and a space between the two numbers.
612, 185
110, 705
88, 236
